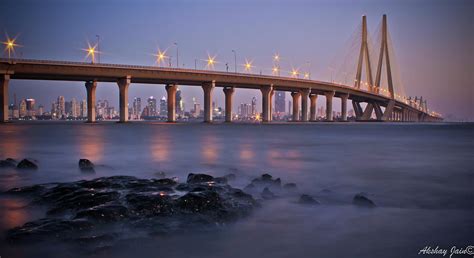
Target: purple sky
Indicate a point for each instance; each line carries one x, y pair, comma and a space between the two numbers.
433, 40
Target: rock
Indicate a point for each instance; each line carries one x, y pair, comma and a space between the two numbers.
267, 194
86, 165
47, 228
27, 164
199, 178
361, 200
307, 199
158, 206
8, 163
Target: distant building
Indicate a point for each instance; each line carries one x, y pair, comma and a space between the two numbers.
83, 108
151, 104
163, 107
61, 107
40, 110
179, 103
22, 108
136, 108
30, 107
253, 109
280, 101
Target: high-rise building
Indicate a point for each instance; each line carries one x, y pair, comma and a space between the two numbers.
289, 108
196, 112
40, 110
151, 106
280, 101
83, 108
22, 108
30, 107
179, 103
246, 110
54, 110
61, 103
254, 106
163, 107
136, 108
73, 111
102, 109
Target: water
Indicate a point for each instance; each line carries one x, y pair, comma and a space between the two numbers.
419, 175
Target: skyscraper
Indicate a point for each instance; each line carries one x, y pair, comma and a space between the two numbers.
254, 106
74, 106
23, 110
84, 108
61, 106
280, 101
163, 107
30, 107
151, 106
179, 103
136, 108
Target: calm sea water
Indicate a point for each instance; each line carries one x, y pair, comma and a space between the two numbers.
420, 176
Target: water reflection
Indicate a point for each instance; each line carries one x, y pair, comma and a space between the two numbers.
91, 143
13, 212
246, 152
290, 160
160, 146
12, 144
209, 148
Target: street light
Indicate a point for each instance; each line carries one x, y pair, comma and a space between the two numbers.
235, 60
276, 59
211, 61
248, 65
91, 51
160, 57
10, 45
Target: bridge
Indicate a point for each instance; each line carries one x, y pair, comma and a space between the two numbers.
380, 104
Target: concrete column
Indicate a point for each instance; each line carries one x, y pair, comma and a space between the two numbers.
207, 88
4, 80
171, 101
266, 97
344, 107
313, 98
91, 87
329, 95
296, 105
228, 92
123, 85
272, 94
304, 104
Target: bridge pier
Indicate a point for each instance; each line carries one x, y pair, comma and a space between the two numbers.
296, 95
171, 101
4, 80
357, 109
123, 85
207, 88
91, 86
313, 98
304, 104
228, 92
344, 107
329, 96
272, 94
266, 105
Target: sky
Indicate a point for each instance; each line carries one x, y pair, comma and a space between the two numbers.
433, 41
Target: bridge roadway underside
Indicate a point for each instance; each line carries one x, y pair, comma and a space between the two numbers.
124, 75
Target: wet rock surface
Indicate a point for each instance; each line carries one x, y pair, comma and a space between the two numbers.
80, 210
8, 163
27, 164
362, 200
307, 199
86, 165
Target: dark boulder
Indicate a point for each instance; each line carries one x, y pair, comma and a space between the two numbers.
307, 199
107, 213
86, 165
200, 201
144, 205
362, 201
267, 194
27, 164
230, 177
199, 178
8, 163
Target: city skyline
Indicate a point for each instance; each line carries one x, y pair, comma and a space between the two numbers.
456, 99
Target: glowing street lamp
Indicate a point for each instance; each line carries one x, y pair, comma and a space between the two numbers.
10, 45
248, 66
275, 70
294, 73
211, 61
91, 51
306, 75
160, 57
